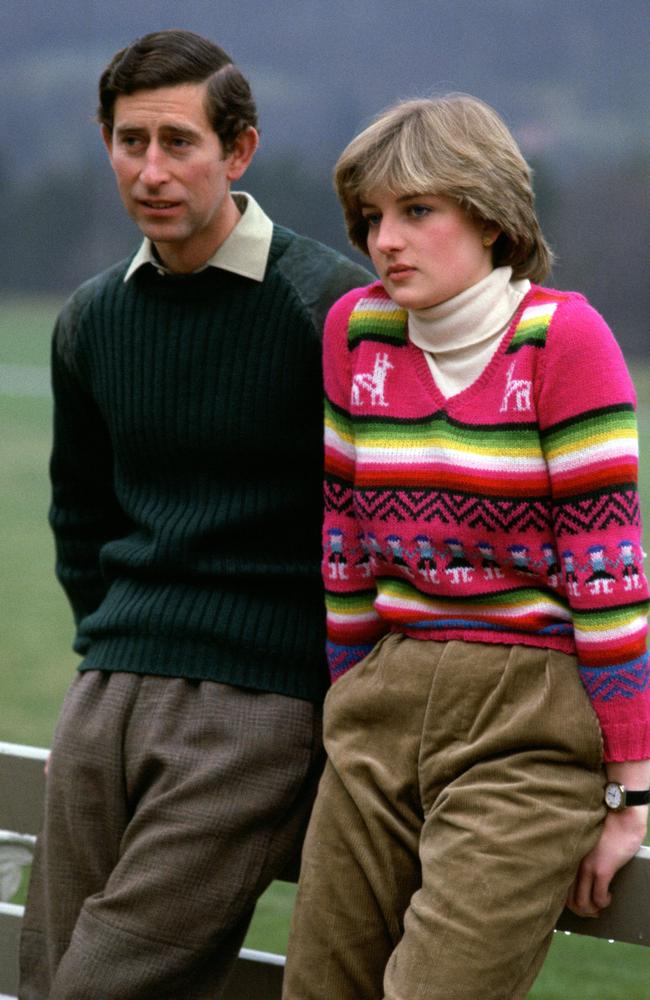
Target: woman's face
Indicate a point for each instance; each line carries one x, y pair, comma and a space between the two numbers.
425, 247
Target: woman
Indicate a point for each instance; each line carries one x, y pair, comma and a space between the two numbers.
485, 591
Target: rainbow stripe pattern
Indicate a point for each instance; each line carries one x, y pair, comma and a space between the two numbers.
507, 513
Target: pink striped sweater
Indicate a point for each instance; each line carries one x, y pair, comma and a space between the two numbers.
506, 513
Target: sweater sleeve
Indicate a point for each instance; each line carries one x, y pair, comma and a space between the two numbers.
84, 512
587, 416
353, 625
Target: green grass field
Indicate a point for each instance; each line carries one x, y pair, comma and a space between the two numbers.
36, 631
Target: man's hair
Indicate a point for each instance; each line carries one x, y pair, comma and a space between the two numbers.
456, 146
168, 58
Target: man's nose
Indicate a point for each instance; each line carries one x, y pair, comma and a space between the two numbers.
154, 169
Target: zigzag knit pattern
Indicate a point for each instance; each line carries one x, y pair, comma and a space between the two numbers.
506, 513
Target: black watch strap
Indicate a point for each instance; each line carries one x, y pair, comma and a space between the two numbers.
637, 798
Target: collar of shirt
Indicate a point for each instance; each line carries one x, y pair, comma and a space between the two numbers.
245, 251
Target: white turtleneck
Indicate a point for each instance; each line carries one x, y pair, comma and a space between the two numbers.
460, 336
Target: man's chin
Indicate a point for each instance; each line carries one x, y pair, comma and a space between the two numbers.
161, 233
161, 229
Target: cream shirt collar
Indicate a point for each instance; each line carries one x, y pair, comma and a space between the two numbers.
245, 251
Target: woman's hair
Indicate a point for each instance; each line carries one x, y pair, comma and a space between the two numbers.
175, 56
456, 146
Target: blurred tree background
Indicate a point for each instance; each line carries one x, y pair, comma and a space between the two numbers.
571, 79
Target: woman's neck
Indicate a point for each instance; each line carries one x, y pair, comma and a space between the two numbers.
460, 336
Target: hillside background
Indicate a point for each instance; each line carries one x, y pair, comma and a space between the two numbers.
571, 78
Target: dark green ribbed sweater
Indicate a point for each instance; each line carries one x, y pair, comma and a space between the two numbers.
187, 466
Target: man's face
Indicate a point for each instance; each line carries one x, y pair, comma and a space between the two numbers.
172, 173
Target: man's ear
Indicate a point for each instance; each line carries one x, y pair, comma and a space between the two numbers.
107, 136
242, 152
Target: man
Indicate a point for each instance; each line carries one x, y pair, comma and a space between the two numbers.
186, 472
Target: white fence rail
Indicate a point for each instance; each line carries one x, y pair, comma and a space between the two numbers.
257, 974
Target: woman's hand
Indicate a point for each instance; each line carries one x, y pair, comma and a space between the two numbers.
621, 836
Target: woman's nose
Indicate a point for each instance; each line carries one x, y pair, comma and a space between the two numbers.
389, 236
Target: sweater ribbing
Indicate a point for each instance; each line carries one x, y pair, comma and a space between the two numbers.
186, 494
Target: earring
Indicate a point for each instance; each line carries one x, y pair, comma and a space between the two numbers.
487, 241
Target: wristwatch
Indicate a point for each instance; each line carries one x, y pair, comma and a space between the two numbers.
617, 797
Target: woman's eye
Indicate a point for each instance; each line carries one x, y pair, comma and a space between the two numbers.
419, 211
373, 218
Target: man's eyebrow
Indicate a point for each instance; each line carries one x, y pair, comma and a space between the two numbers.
125, 127
169, 128
178, 128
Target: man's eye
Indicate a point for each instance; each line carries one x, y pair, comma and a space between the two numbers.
178, 142
131, 142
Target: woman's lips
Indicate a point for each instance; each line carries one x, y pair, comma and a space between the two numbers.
398, 271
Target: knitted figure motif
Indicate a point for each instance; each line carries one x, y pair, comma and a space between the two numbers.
517, 495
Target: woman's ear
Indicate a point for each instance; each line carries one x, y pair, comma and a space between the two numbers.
490, 233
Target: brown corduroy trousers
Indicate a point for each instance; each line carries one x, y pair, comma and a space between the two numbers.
464, 785
170, 806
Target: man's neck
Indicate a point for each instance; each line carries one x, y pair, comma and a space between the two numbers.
181, 257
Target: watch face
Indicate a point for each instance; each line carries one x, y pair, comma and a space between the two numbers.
613, 795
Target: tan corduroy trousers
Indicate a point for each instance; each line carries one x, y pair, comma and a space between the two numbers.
170, 806
464, 785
